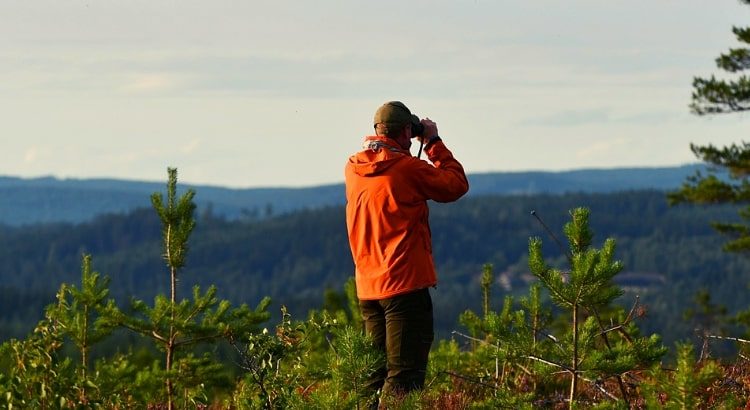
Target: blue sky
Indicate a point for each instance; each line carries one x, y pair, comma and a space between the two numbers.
280, 93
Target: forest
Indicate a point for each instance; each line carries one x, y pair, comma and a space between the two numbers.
74, 306
295, 258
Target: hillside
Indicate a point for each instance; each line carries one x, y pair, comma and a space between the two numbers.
669, 254
41, 200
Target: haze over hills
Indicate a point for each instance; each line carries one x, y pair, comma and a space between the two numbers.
47, 199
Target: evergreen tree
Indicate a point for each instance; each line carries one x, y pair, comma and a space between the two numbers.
176, 325
76, 313
584, 347
687, 387
354, 359
712, 96
588, 348
716, 96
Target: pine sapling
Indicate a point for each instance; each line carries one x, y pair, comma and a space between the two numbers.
583, 290
173, 324
76, 313
686, 387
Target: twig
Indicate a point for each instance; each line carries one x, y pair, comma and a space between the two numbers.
602, 389
734, 339
196, 340
455, 332
525, 370
569, 370
470, 379
545, 361
633, 309
539, 359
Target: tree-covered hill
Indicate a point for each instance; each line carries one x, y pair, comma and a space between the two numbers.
669, 254
44, 200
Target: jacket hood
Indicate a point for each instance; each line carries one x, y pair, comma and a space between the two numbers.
379, 154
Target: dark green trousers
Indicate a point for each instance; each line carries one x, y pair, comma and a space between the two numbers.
402, 328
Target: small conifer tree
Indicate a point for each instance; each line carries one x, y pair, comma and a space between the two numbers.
177, 325
354, 359
685, 387
583, 291
76, 313
510, 340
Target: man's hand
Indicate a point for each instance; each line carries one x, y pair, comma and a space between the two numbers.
430, 130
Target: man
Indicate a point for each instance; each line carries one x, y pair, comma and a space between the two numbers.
387, 221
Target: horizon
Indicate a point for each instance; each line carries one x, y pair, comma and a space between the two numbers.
341, 182
261, 94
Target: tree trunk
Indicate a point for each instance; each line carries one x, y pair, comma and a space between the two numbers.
574, 367
170, 388
84, 353
171, 339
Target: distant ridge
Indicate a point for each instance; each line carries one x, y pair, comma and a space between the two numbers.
47, 199
581, 180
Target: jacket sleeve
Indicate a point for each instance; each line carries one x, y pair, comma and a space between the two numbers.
443, 182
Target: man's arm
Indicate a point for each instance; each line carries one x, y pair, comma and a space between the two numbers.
446, 180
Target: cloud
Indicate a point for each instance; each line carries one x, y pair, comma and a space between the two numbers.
31, 155
599, 116
603, 148
571, 118
152, 83
191, 146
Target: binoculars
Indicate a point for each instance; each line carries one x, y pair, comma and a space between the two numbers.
417, 129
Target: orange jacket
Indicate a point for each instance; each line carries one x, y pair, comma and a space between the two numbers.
387, 216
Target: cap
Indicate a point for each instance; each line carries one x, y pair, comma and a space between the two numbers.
394, 114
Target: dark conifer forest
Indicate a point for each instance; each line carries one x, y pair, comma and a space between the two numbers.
670, 255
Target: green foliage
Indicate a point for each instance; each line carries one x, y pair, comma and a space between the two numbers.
126, 384
350, 288
76, 311
586, 348
321, 363
354, 358
76, 315
34, 375
714, 96
686, 388
589, 282
205, 318
273, 362
176, 325
177, 221
506, 355
591, 349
